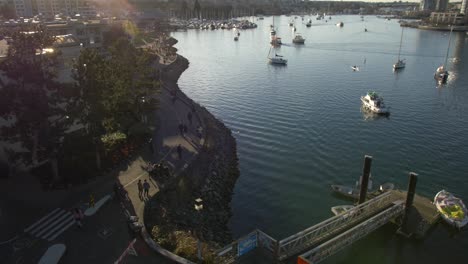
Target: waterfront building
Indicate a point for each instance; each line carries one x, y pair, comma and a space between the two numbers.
441, 5
49, 8
88, 33
448, 18
427, 5
463, 7
23, 8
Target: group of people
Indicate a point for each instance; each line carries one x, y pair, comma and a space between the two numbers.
143, 189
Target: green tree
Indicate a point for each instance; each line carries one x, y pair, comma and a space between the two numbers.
116, 91
30, 98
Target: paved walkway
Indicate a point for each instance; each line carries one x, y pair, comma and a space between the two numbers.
104, 236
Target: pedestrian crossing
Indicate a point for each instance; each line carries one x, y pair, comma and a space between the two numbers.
51, 225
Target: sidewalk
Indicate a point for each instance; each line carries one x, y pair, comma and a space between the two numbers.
105, 234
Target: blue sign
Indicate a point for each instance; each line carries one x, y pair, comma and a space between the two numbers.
247, 244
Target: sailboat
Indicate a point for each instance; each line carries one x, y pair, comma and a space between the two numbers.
276, 59
441, 73
400, 64
274, 39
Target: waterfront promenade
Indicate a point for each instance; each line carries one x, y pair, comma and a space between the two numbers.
105, 235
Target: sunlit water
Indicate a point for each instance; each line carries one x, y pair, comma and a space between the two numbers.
300, 128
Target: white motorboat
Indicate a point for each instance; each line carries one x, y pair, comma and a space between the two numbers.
341, 24
340, 209
277, 59
373, 102
355, 68
298, 39
451, 208
400, 64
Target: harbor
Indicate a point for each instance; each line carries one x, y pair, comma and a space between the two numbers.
299, 128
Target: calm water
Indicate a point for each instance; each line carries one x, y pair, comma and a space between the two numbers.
299, 128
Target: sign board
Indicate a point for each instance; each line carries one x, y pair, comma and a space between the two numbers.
247, 244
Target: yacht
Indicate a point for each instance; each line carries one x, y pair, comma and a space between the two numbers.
298, 39
276, 41
374, 103
441, 73
340, 24
400, 64
277, 59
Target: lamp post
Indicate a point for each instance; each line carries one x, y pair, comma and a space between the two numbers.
199, 207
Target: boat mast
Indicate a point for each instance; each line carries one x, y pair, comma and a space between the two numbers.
401, 40
448, 48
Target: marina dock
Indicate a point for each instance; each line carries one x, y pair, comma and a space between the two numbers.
415, 215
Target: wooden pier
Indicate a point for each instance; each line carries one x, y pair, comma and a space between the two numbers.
413, 213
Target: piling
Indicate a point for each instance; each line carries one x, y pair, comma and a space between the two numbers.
413, 179
365, 178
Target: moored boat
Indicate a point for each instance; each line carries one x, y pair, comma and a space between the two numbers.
298, 39
451, 208
374, 103
340, 209
341, 24
346, 191
278, 59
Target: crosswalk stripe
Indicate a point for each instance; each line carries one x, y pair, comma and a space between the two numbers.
52, 225
40, 220
57, 220
47, 222
62, 230
53, 232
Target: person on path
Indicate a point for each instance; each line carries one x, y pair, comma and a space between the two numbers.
181, 129
179, 151
189, 117
78, 216
140, 189
146, 187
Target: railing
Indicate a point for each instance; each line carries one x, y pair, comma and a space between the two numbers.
313, 235
338, 243
255, 239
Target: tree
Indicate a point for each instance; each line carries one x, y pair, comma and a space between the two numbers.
116, 90
30, 99
90, 78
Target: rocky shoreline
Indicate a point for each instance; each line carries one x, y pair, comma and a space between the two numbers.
211, 176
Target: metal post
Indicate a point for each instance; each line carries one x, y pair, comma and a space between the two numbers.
365, 178
413, 179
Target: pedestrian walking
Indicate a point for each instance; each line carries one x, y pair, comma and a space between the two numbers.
181, 129
91, 200
199, 131
179, 151
140, 188
189, 117
146, 187
78, 216
151, 145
